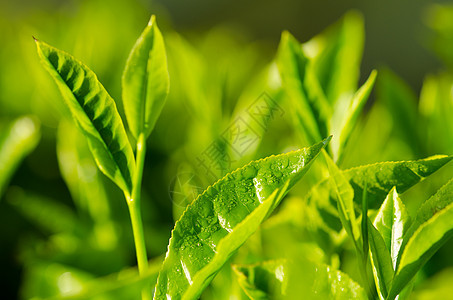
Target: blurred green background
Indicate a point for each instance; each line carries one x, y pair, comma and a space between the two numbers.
217, 50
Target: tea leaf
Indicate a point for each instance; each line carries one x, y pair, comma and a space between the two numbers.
380, 261
94, 112
392, 221
16, 141
346, 114
319, 281
431, 228
336, 55
311, 108
221, 219
145, 81
345, 201
263, 280
380, 178
281, 279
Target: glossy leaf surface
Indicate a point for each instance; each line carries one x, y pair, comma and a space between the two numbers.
345, 200
145, 81
382, 177
298, 279
431, 228
380, 261
336, 54
95, 113
223, 217
378, 178
392, 221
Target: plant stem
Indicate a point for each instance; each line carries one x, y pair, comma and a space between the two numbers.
135, 213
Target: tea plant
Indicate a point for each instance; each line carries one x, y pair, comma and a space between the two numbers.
344, 233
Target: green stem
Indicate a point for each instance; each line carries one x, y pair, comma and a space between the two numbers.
134, 210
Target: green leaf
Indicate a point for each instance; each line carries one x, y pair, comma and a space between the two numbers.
336, 54
380, 261
392, 221
431, 228
346, 113
345, 201
145, 81
390, 224
221, 219
95, 113
319, 281
380, 178
311, 108
263, 280
296, 279
334, 284
16, 141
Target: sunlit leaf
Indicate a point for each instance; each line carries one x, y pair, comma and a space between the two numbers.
381, 261
319, 281
346, 114
336, 54
431, 228
145, 81
263, 280
94, 112
392, 221
221, 219
345, 200
378, 179
311, 108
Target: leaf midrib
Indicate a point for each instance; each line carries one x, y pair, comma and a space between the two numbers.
100, 87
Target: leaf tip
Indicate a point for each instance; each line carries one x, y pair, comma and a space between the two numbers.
152, 20
35, 39
285, 35
327, 139
373, 74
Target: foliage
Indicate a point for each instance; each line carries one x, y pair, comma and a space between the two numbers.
358, 211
